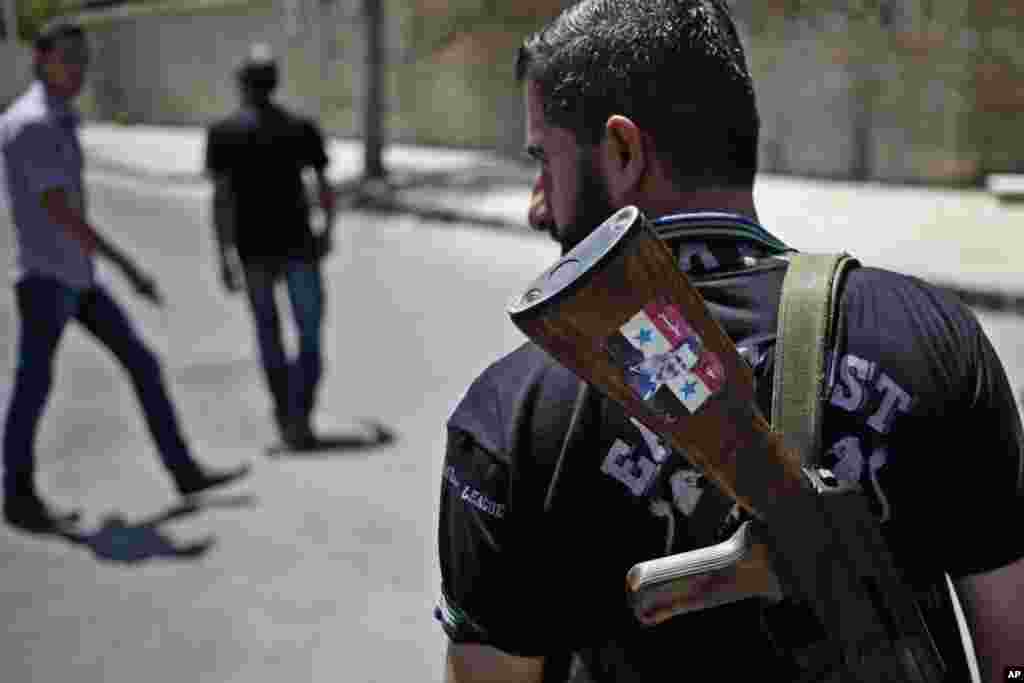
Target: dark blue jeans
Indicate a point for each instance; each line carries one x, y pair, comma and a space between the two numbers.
293, 384
45, 306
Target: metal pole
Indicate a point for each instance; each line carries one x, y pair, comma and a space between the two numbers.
10, 17
317, 21
374, 100
863, 121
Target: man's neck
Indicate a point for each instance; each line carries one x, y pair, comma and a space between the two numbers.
53, 92
727, 200
257, 102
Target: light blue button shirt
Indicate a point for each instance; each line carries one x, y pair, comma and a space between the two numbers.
40, 149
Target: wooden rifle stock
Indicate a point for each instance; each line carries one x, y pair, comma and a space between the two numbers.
619, 312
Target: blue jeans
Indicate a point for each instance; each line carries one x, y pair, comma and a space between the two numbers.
293, 384
45, 306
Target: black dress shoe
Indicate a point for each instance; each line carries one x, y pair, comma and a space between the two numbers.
203, 480
298, 436
30, 513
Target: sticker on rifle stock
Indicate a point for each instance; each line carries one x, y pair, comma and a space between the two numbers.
665, 361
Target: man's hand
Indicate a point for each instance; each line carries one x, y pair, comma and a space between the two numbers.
538, 215
55, 202
58, 207
229, 276
144, 285
327, 200
322, 245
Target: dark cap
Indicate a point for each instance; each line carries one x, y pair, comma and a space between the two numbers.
259, 67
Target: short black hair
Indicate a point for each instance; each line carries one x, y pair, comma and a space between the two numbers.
55, 31
675, 67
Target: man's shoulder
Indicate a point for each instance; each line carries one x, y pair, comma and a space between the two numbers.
528, 362
871, 276
293, 116
248, 120
26, 115
898, 294
507, 395
303, 126
226, 124
505, 378
297, 122
307, 122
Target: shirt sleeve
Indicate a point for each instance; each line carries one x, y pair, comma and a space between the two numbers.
41, 158
316, 154
992, 447
501, 564
217, 159
473, 541
956, 486
525, 577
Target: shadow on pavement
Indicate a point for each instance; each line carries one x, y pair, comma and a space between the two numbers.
122, 542
374, 435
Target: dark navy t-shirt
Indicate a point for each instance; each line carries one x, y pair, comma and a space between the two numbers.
263, 150
920, 414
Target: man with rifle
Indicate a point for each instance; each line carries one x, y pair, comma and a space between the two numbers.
550, 495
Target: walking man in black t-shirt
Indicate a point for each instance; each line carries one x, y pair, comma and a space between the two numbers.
261, 214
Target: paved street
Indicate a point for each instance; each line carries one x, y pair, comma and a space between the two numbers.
323, 568
317, 568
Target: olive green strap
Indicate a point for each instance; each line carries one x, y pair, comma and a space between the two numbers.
807, 316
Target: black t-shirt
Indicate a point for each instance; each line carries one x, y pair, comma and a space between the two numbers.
264, 150
920, 414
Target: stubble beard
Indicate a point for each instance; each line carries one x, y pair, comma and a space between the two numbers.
593, 205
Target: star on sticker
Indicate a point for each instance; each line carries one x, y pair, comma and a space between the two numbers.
645, 336
688, 390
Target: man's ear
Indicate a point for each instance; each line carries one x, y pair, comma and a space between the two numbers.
41, 63
48, 68
624, 157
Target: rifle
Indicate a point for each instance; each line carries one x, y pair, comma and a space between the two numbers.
810, 537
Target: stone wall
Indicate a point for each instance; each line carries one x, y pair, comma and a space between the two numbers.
16, 73
994, 127
448, 81
176, 68
924, 91
914, 90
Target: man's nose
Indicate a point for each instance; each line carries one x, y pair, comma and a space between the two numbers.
538, 215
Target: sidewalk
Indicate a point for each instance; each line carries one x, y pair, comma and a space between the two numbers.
434, 182
962, 239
